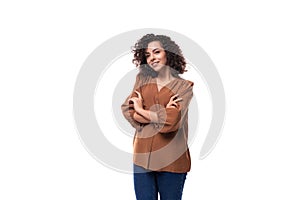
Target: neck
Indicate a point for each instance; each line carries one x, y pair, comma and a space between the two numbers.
164, 75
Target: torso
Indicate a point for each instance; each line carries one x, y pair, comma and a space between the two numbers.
163, 84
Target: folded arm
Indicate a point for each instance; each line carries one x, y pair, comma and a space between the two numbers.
167, 119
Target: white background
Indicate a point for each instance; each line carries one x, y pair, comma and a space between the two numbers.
255, 46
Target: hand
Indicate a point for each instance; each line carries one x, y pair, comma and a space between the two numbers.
173, 101
137, 101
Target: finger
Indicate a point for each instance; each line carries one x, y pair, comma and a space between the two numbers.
176, 100
174, 104
132, 100
174, 96
139, 94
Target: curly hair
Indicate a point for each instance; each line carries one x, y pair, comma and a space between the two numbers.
175, 59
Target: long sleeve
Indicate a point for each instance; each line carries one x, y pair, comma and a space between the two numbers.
171, 119
128, 108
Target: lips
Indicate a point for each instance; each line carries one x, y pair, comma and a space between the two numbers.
154, 64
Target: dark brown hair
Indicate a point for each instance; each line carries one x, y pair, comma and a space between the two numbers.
175, 59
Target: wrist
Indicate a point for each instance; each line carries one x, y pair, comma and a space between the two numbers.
139, 110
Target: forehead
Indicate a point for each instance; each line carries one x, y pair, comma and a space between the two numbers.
153, 45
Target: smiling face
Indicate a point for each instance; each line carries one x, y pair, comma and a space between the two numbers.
156, 56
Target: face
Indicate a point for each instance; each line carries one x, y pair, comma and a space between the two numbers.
156, 56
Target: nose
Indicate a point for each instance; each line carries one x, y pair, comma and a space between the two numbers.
151, 57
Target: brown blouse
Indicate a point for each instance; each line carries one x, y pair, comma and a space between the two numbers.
162, 145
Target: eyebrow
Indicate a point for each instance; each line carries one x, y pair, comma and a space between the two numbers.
152, 50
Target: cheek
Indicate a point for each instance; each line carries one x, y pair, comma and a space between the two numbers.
164, 59
148, 60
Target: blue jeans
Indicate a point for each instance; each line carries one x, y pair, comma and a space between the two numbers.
147, 184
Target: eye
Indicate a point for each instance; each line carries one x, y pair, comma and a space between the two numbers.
157, 52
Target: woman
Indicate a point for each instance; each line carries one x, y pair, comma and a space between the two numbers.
158, 109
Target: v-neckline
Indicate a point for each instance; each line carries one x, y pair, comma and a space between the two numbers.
159, 90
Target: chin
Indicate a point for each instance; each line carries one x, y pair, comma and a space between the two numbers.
158, 68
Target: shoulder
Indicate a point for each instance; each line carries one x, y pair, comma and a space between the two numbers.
183, 86
190, 83
144, 76
186, 83
141, 76
142, 79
